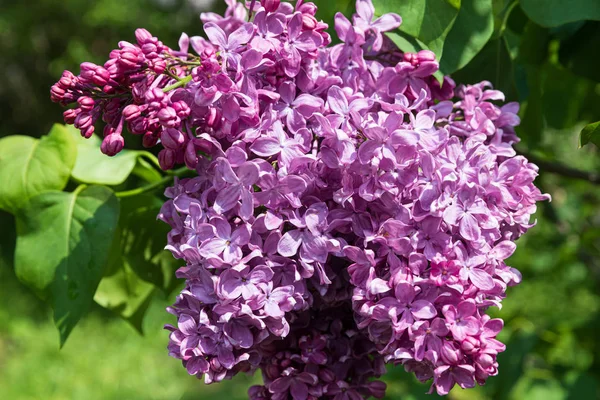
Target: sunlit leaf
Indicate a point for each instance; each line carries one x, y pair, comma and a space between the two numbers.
559, 12
30, 166
473, 28
492, 64
94, 167
430, 21
63, 242
126, 294
591, 133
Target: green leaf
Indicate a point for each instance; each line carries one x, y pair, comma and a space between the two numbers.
143, 240
125, 294
429, 21
92, 166
473, 28
63, 242
533, 123
533, 48
405, 42
31, 166
575, 51
146, 171
558, 12
492, 64
565, 97
591, 133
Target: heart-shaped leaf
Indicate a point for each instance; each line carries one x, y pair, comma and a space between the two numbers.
473, 28
31, 166
429, 21
558, 12
125, 294
590, 133
63, 243
94, 167
142, 240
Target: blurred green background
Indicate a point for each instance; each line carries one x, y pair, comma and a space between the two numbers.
552, 318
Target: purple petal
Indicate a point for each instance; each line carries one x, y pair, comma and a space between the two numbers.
266, 146
469, 227
226, 199
453, 214
212, 247
241, 35
423, 309
215, 34
337, 100
299, 390
503, 250
187, 325
280, 385
290, 243
387, 22
481, 279
239, 334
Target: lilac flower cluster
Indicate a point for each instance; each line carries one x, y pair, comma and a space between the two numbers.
349, 210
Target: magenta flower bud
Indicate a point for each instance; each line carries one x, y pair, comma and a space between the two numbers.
270, 5
86, 68
112, 68
138, 126
155, 97
309, 22
101, 76
143, 36
67, 79
87, 132
410, 58
166, 159
130, 58
181, 108
112, 144
190, 156
149, 140
308, 8
485, 360
449, 354
425, 55
159, 65
83, 120
377, 389
172, 138
131, 112
168, 117
86, 103
70, 115
108, 130
470, 345
149, 48
57, 93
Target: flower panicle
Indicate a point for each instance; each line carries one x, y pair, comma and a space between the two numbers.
349, 209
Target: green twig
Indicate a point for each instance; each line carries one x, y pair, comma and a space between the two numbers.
153, 186
177, 84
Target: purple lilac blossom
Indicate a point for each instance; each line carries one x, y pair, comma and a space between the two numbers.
349, 210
